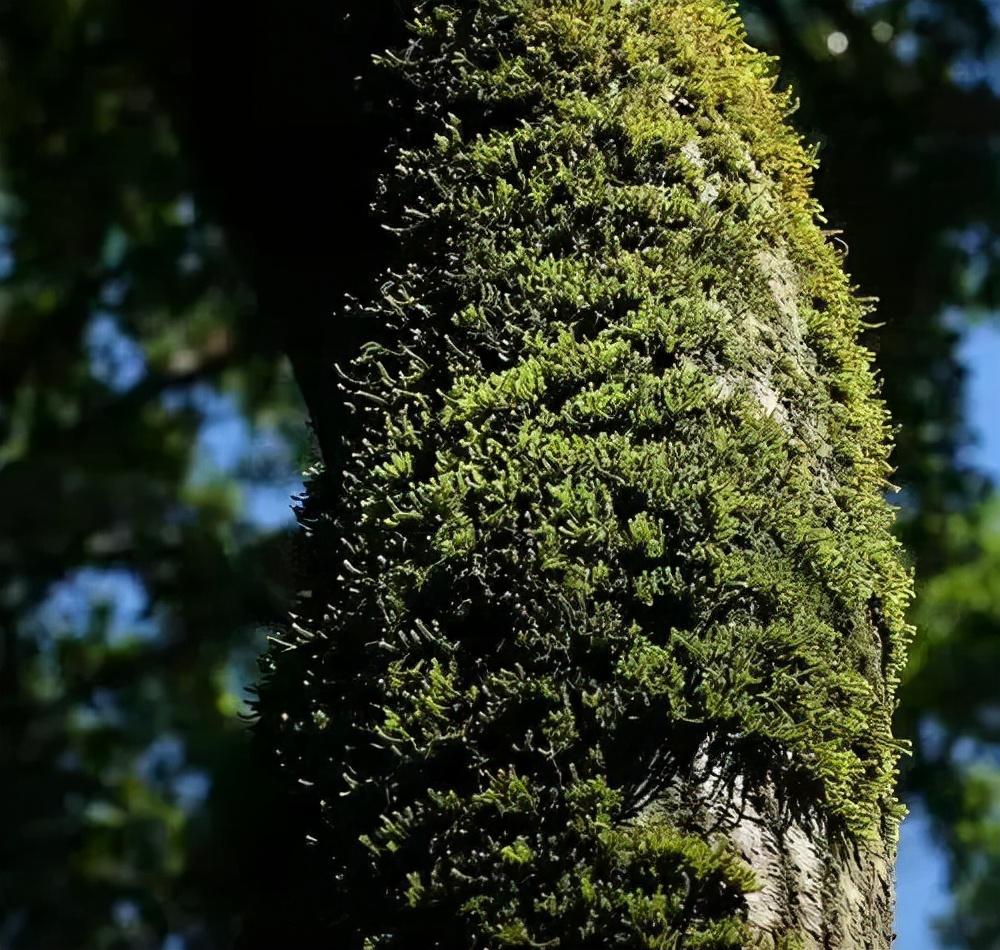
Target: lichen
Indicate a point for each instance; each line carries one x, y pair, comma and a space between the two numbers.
615, 496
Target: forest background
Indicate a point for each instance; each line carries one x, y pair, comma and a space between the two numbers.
183, 194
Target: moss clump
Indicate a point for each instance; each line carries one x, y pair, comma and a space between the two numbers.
614, 503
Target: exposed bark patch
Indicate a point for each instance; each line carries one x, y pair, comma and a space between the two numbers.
818, 889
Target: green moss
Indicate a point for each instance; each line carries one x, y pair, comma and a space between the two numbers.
617, 488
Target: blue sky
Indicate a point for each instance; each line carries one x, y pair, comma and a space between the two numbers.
921, 885
981, 354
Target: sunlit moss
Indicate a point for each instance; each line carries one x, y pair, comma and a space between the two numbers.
617, 487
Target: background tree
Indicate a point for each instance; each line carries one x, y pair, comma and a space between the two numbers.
130, 136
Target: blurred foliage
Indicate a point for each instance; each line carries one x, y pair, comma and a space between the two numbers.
176, 180
138, 416
954, 705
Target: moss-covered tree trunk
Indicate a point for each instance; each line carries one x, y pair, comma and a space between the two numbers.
600, 632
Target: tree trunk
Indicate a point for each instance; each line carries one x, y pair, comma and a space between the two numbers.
599, 636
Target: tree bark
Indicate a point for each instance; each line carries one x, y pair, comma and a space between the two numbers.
812, 882
600, 633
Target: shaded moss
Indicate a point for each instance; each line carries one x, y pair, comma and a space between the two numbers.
615, 497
